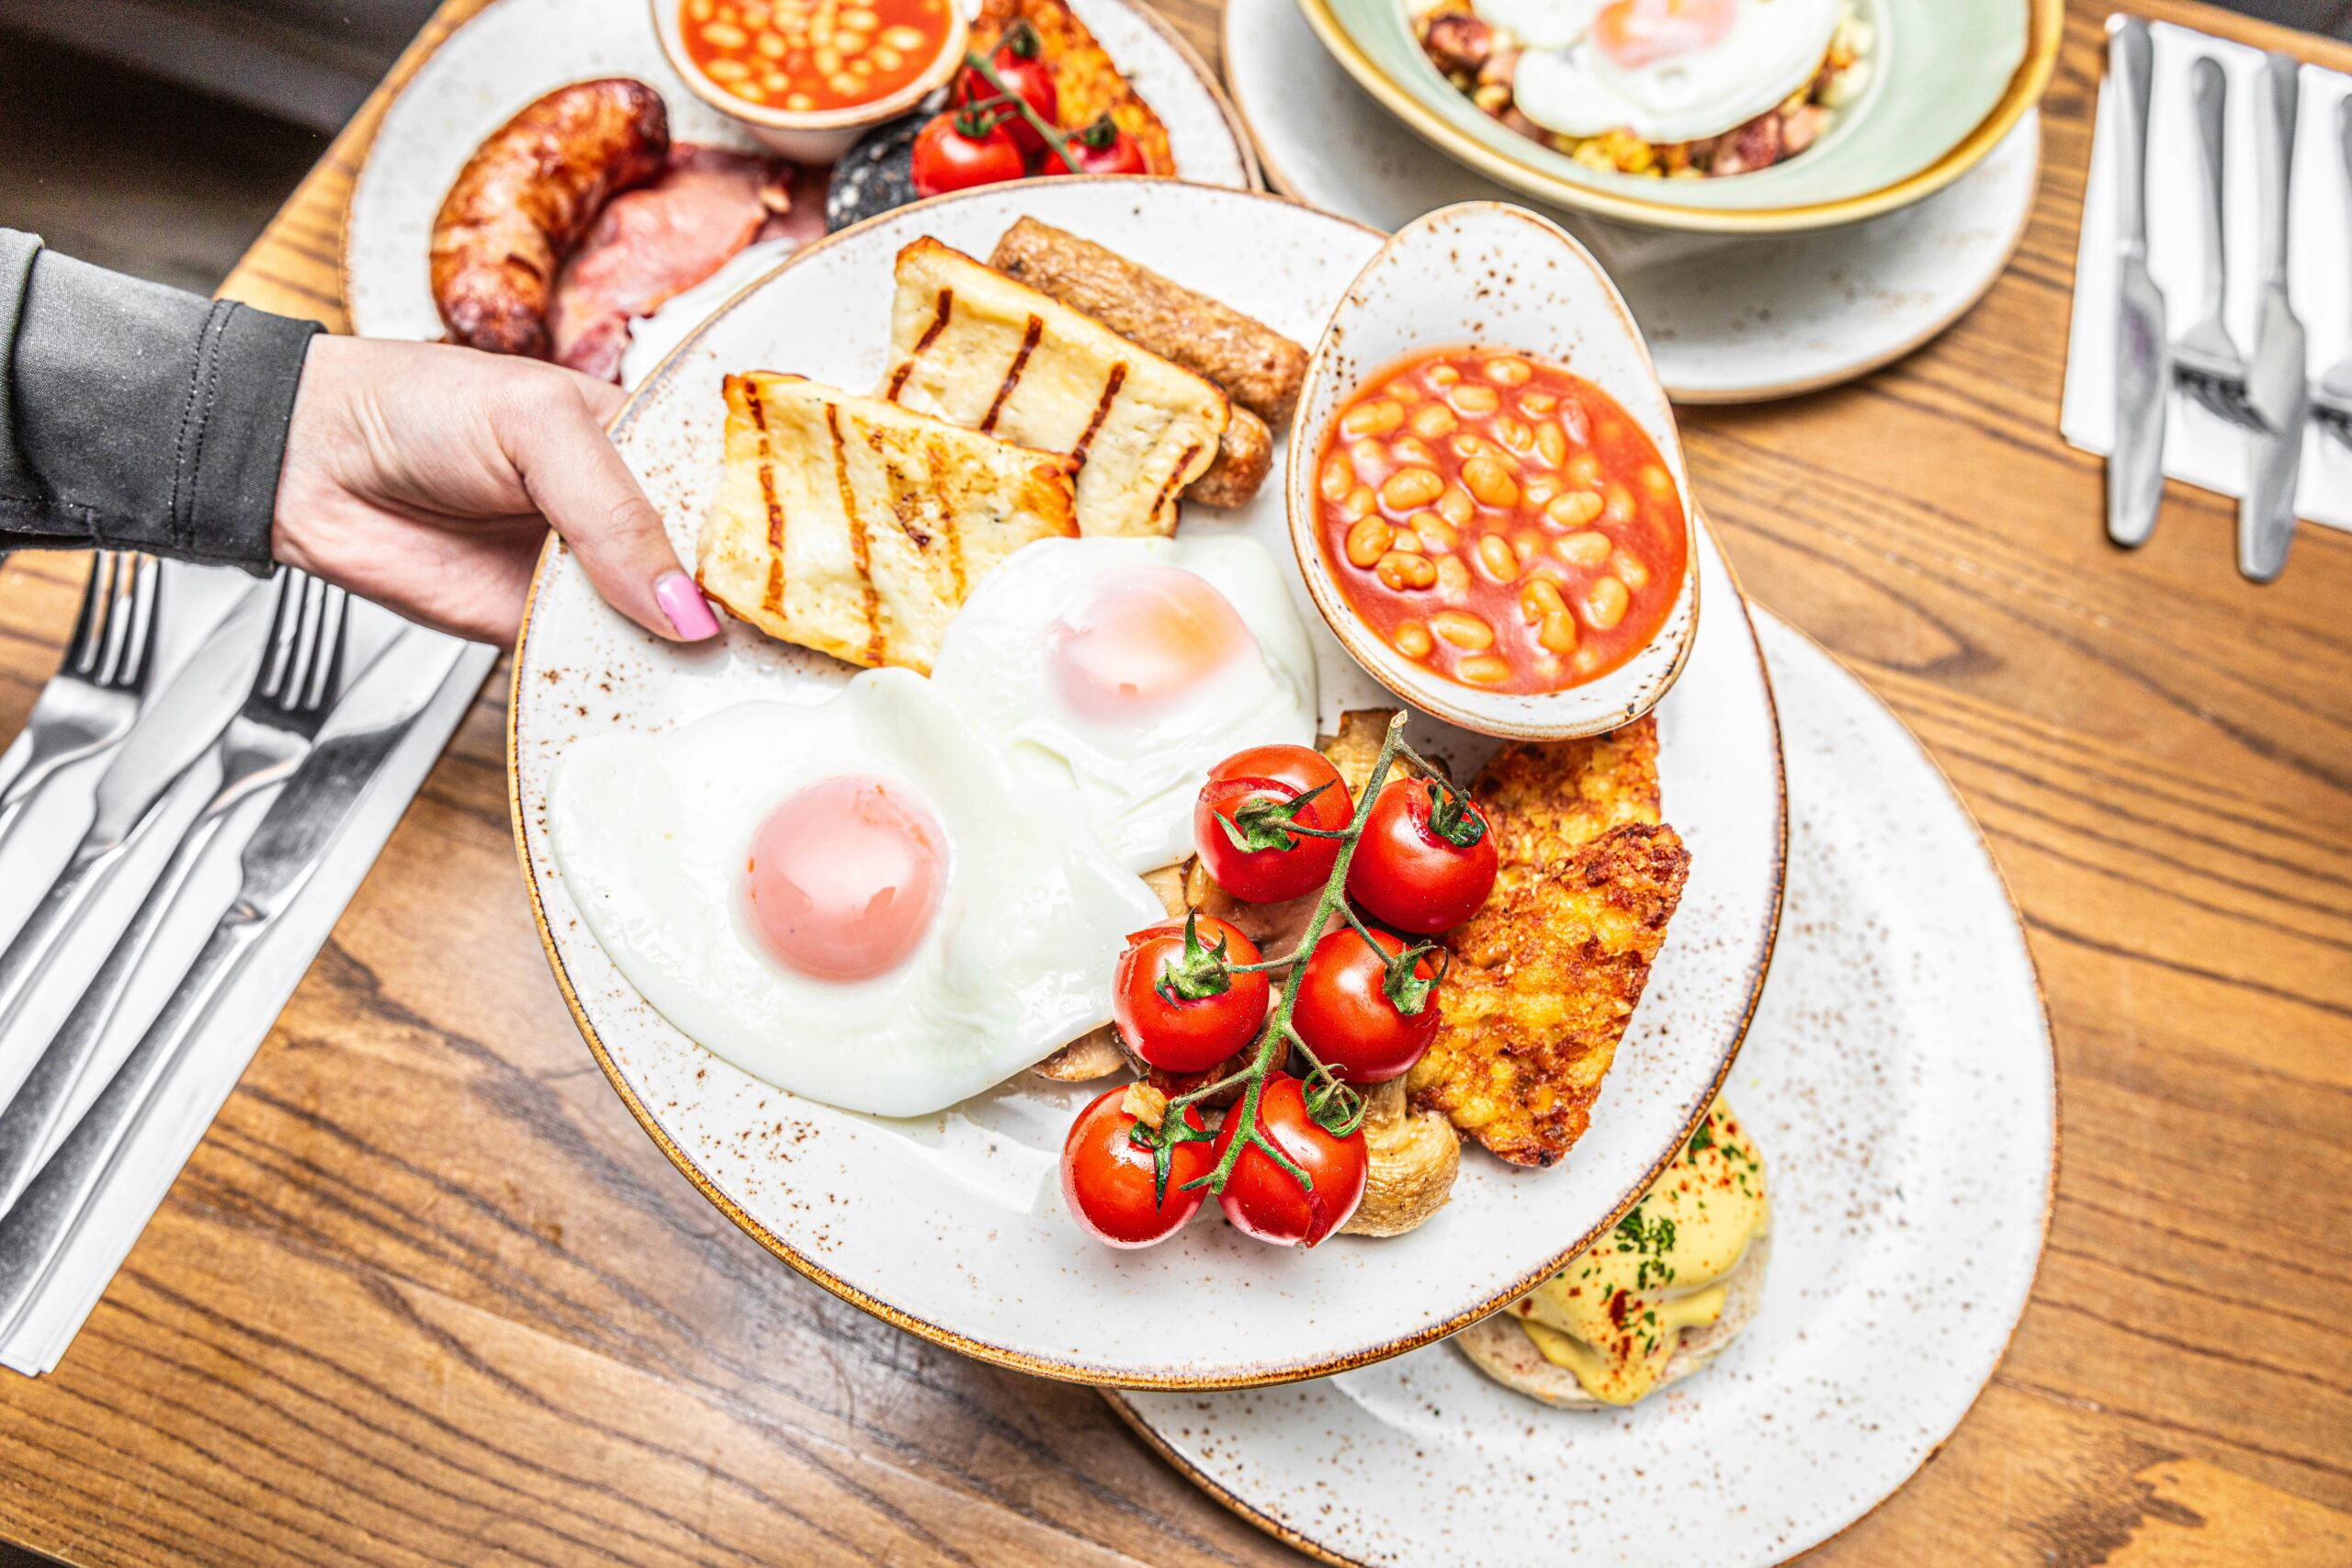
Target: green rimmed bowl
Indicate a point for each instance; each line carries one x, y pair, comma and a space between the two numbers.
1949, 79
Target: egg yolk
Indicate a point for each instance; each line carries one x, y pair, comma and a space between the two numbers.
1144, 640
1635, 33
846, 877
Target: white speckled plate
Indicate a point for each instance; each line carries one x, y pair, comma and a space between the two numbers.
1900, 1085
952, 1225
514, 50
1727, 320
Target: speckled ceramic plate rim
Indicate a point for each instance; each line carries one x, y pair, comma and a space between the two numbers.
1280, 1530
1759, 967
2045, 30
1244, 147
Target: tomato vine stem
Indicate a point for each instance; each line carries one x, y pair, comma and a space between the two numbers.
1277, 1037
1051, 135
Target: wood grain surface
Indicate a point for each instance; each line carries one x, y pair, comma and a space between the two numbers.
427, 1295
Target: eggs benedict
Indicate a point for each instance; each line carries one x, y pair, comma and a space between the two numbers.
1655, 1299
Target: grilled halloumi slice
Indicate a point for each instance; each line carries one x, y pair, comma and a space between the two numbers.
849, 526
976, 349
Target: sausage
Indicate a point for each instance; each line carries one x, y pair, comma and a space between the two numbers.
524, 198
1259, 368
1243, 455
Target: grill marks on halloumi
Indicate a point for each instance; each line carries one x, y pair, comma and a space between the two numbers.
854, 528
973, 347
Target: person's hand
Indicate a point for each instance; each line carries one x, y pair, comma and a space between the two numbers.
425, 478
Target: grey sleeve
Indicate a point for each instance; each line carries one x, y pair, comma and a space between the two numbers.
137, 417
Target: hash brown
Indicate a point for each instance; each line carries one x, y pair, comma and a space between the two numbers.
1087, 82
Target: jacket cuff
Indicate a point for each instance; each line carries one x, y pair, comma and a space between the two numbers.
229, 464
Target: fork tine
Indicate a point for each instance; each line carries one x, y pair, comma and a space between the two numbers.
282, 627
147, 590
333, 609
90, 626
121, 603
306, 647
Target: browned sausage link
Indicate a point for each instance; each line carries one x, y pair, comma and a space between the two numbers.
525, 197
1243, 455
1257, 367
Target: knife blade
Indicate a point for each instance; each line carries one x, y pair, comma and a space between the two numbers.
2135, 468
2277, 387
278, 861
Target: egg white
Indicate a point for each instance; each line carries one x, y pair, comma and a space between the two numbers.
1541, 24
1773, 48
1139, 780
652, 833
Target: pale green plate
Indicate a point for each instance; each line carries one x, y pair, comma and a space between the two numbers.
1950, 78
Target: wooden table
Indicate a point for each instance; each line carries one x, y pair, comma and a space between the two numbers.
426, 1294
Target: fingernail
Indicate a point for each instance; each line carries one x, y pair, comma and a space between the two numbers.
689, 612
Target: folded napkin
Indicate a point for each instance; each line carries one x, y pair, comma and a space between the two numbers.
202, 1081
2200, 446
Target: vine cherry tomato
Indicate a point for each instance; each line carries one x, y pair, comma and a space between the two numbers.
1362, 1012
1263, 1200
1426, 860
1108, 1179
1241, 822
1176, 1001
961, 148
1099, 149
1019, 62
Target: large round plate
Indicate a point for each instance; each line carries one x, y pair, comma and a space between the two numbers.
1729, 320
952, 1225
1900, 1084
515, 49
1947, 82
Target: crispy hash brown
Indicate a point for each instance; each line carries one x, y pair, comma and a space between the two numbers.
1547, 976
1087, 85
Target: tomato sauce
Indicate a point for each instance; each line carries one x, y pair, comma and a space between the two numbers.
813, 55
1501, 521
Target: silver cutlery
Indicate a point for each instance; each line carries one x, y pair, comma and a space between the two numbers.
2276, 387
92, 699
279, 862
263, 745
174, 731
2135, 471
2206, 360
2332, 399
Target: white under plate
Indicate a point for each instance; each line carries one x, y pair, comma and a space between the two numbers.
952, 1225
1729, 320
515, 50
1900, 1085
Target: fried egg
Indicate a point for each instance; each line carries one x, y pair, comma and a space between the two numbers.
1541, 24
1125, 668
863, 902
1672, 71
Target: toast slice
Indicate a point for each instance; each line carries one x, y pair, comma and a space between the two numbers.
972, 346
854, 528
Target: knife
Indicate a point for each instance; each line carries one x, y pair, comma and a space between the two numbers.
278, 862
2276, 387
2135, 468
174, 730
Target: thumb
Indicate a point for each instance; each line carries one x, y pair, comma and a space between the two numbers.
576, 479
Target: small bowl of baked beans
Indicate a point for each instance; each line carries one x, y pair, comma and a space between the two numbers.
808, 77
1486, 490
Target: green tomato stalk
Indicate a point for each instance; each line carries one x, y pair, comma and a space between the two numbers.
1006, 99
1336, 1108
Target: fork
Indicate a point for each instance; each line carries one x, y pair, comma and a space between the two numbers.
274, 729
95, 859
2332, 398
90, 703
2206, 361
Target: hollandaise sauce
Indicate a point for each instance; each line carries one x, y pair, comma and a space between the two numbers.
1615, 1316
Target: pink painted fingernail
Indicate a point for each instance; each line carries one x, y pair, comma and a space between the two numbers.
689, 612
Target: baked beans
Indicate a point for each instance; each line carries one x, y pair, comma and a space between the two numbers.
1500, 520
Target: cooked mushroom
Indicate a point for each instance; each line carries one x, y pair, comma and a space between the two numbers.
1414, 1156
